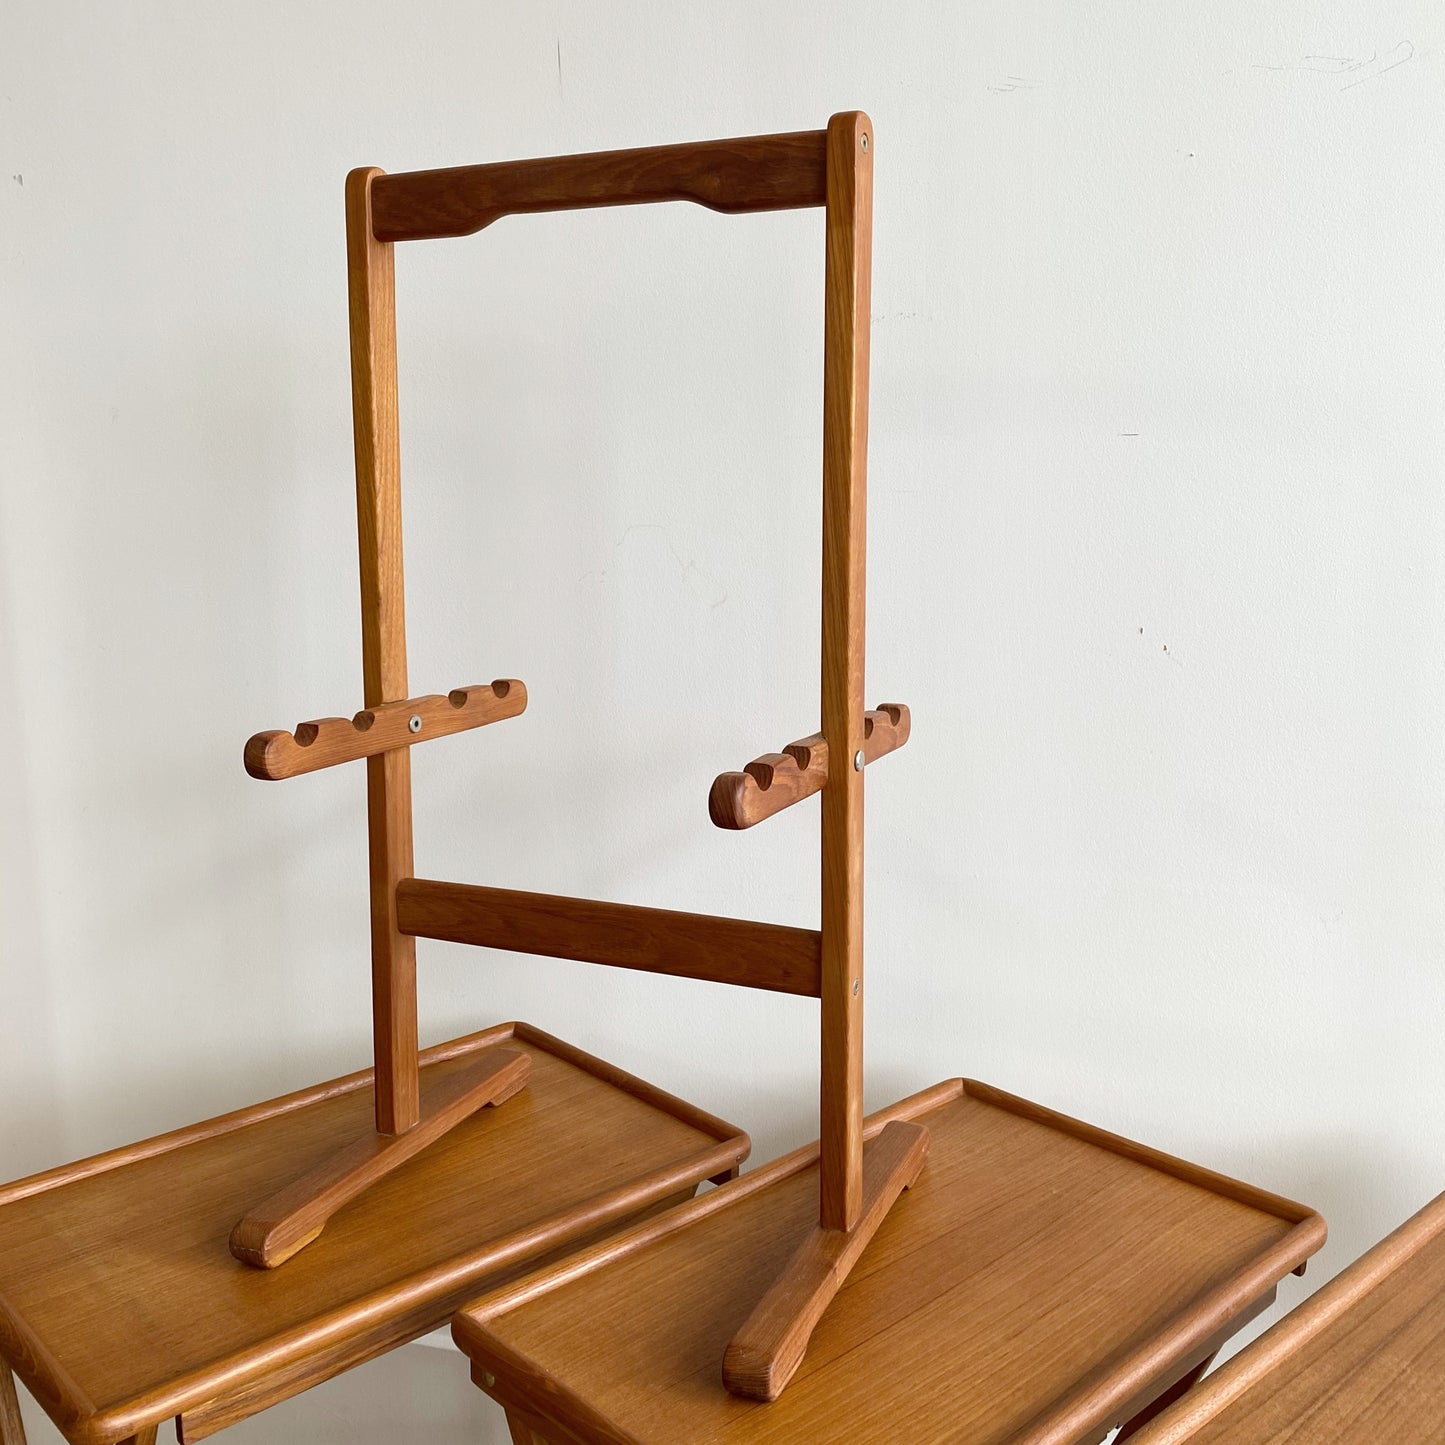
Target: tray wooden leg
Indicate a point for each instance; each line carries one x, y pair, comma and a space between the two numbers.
12, 1428
1181, 1387
522, 1431
289, 1220
770, 1346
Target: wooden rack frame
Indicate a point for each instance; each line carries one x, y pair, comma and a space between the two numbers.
831, 168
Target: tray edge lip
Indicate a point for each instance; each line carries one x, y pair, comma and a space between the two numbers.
1211, 1180
85, 1423
1305, 1232
1300, 1326
234, 1119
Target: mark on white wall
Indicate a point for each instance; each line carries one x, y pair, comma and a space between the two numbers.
1355, 70
698, 581
1011, 83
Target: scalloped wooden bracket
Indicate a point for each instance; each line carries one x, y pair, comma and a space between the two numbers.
778, 780
330, 740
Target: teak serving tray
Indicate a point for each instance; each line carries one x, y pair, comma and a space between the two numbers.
120, 1304
1041, 1282
1362, 1359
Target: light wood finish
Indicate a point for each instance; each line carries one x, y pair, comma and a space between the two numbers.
767, 1350
271, 756
755, 173
1363, 1359
294, 1216
751, 173
120, 1305
12, 1427
660, 940
1038, 1281
847, 272
776, 781
832, 169
372, 288
202, 1421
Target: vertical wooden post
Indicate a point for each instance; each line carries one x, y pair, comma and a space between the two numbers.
849, 228
372, 286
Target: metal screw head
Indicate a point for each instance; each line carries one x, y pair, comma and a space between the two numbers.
857, 984
858, 761
414, 722
864, 141
488, 1379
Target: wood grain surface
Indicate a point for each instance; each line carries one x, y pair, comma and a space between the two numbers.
846, 289
120, 1303
751, 173
1033, 1285
274, 1230
767, 1350
659, 940
1363, 1359
327, 741
371, 289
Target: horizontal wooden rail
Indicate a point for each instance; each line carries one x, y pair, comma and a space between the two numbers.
332, 740
778, 780
751, 173
658, 940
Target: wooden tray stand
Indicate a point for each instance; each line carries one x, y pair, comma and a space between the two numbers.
832, 169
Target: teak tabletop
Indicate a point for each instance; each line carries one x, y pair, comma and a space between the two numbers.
1363, 1359
120, 1304
1041, 1281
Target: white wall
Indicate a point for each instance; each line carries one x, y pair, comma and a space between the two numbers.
1155, 555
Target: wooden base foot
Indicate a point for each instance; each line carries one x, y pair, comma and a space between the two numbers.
12, 1428
770, 1346
287, 1222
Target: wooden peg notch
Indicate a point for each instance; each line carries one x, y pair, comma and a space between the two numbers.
778, 780
331, 740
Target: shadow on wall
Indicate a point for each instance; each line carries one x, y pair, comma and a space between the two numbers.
28, 1064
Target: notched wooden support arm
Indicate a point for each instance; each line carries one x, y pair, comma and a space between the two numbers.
778, 780
331, 740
